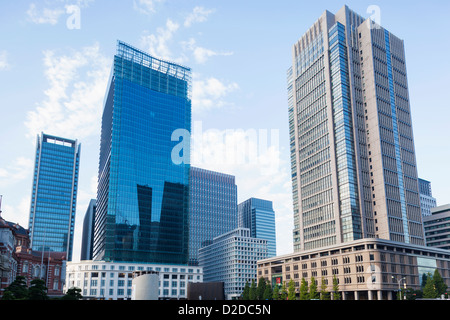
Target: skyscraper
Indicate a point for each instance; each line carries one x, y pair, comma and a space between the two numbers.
88, 231
353, 161
258, 216
212, 208
142, 198
54, 194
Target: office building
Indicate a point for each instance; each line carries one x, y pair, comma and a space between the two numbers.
437, 227
427, 201
357, 215
100, 280
365, 269
54, 194
87, 239
143, 198
232, 259
258, 216
212, 208
353, 162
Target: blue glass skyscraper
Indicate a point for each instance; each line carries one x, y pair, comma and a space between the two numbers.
143, 196
258, 216
54, 194
212, 208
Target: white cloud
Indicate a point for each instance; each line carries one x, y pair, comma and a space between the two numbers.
18, 213
21, 169
4, 65
146, 6
158, 44
254, 157
210, 93
74, 99
199, 14
44, 16
56, 8
201, 54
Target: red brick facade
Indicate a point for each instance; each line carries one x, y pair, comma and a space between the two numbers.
20, 260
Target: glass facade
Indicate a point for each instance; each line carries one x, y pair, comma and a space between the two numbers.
343, 132
54, 194
258, 216
212, 208
143, 195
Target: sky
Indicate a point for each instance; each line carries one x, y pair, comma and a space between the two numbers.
56, 56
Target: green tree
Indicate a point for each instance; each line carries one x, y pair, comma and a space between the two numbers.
336, 294
439, 283
252, 295
283, 291
304, 290
246, 292
37, 290
17, 290
291, 290
268, 292
260, 289
73, 294
429, 290
276, 292
324, 294
313, 294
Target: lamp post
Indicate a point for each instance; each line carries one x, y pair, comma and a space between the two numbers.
399, 288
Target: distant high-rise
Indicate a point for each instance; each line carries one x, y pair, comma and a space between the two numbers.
427, 201
258, 216
143, 197
87, 239
54, 194
353, 161
212, 208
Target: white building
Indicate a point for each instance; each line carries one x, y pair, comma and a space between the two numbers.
113, 280
232, 259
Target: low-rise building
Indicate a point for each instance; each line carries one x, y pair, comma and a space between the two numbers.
437, 227
367, 269
113, 280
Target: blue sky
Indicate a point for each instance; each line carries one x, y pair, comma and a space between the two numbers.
55, 57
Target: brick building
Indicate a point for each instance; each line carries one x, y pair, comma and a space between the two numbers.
18, 259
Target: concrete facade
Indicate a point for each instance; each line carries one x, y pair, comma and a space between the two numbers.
100, 280
437, 227
368, 269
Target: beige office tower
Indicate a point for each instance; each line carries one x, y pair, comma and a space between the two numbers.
353, 162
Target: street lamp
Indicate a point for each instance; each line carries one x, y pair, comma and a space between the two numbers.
399, 288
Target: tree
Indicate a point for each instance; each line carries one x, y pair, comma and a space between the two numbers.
268, 292
313, 294
73, 294
276, 292
283, 292
37, 290
439, 283
252, 294
324, 294
304, 290
246, 292
336, 294
429, 290
261, 288
291, 290
17, 290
